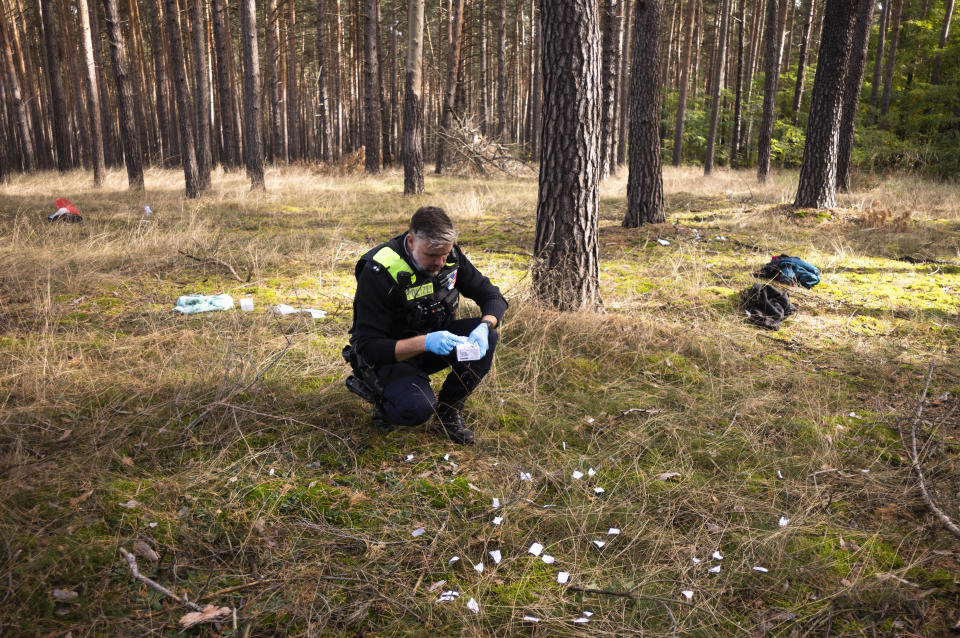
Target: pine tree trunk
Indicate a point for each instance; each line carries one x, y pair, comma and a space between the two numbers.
817, 186
450, 90
484, 72
853, 83
131, 142
371, 87
645, 181
185, 113
536, 99
323, 101
252, 120
891, 59
159, 75
944, 32
802, 61
665, 81
93, 95
274, 98
625, 81
610, 21
201, 98
715, 85
383, 70
502, 69
565, 269
771, 68
61, 132
17, 103
294, 141
413, 103
684, 81
738, 99
878, 60
223, 44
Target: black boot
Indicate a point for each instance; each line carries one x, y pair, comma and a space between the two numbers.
451, 422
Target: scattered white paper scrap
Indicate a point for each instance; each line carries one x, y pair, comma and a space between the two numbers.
148, 210
478, 567
577, 474
715, 569
613, 531
448, 596
563, 577
473, 606
446, 457
452, 560
525, 476
663, 242
587, 613
548, 559
417, 532
581, 620
590, 419
409, 457
717, 556
496, 502
530, 619
437, 585
784, 521
687, 593
272, 471
599, 544
763, 570
591, 472
564, 449
864, 471
535, 549
696, 561
599, 490
779, 474
495, 555
246, 304
152, 524
497, 520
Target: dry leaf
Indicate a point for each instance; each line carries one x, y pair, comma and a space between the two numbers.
143, 550
65, 435
130, 505
76, 500
126, 460
210, 613
64, 595
259, 526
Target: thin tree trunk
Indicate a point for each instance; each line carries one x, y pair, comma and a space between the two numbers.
771, 68
159, 75
645, 181
394, 74
93, 95
878, 60
670, 37
181, 88
738, 100
944, 32
817, 185
385, 112
323, 102
719, 57
802, 61
61, 133
501, 69
204, 155
131, 142
625, 80
610, 21
450, 90
293, 99
684, 82
484, 72
413, 104
853, 83
565, 269
273, 96
252, 120
225, 76
891, 60
371, 87
17, 103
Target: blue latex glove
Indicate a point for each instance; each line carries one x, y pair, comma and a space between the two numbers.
481, 337
443, 342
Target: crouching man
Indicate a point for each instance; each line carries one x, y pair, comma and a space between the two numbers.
405, 327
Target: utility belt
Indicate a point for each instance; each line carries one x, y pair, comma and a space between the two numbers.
363, 382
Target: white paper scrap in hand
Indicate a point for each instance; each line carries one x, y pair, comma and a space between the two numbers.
246, 304
577, 474
418, 532
784, 521
535, 549
762, 570
468, 351
687, 593
563, 577
548, 559
495, 555
715, 569
473, 606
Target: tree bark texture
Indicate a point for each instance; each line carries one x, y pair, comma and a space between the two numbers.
944, 32
817, 187
188, 153
624, 82
852, 85
223, 45
252, 127
93, 95
128, 126
16, 101
413, 103
771, 73
891, 58
610, 20
201, 96
802, 58
274, 83
878, 59
51, 46
371, 87
450, 87
645, 181
164, 117
684, 81
502, 69
715, 85
323, 101
565, 270
484, 72
294, 140
738, 99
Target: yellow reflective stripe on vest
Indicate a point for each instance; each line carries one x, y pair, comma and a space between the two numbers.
419, 291
394, 263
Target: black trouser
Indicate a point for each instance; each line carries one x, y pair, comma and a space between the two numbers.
407, 396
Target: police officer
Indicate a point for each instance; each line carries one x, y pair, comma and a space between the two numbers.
405, 326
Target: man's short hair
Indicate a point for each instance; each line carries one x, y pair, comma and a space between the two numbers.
431, 224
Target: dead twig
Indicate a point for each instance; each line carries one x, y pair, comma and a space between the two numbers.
152, 584
911, 451
217, 262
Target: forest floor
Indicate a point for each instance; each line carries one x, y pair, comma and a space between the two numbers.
284, 503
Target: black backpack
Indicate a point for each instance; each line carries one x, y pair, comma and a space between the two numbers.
766, 306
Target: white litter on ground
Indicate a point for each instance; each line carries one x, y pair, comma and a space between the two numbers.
478, 567
577, 474
473, 606
763, 570
448, 596
779, 474
687, 593
715, 569
409, 457
663, 242
525, 476
497, 520
496, 502
599, 544
591, 472
452, 560
563, 577
587, 613
437, 585
613, 531
417, 532
717, 555
696, 561
581, 620
784, 521
246, 304
564, 449
495, 555
285, 309
446, 457
271, 472
530, 619
599, 490
535, 549
548, 559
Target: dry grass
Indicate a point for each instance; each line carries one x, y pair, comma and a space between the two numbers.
284, 503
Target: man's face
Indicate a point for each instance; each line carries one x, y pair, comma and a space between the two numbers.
430, 257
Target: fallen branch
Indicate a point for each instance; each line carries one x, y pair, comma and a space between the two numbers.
918, 470
217, 262
152, 584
